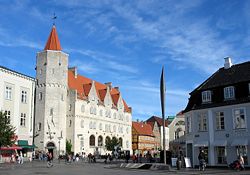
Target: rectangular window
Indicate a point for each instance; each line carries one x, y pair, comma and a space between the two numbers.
189, 124
221, 155
206, 96
202, 121
39, 127
22, 119
7, 116
8, 90
239, 119
220, 123
229, 92
24, 96
51, 111
81, 142
70, 106
242, 150
40, 96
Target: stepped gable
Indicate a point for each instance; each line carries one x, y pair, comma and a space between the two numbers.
83, 85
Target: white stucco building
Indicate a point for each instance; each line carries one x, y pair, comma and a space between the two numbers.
217, 116
73, 107
177, 134
17, 101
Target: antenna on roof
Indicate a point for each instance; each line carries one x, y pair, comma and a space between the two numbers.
54, 19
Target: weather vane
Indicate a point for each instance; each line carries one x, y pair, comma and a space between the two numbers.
54, 18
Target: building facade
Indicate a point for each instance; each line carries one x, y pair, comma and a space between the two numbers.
217, 116
159, 122
72, 107
177, 140
143, 140
17, 102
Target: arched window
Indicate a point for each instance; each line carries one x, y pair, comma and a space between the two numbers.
100, 113
92, 140
100, 141
120, 142
107, 140
114, 115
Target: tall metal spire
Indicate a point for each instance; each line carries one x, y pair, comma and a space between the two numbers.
163, 90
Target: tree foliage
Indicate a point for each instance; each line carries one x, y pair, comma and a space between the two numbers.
111, 143
7, 131
68, 146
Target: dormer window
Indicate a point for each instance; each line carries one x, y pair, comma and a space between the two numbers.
229, 92
206, 96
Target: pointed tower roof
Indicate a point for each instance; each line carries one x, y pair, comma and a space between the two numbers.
53, 42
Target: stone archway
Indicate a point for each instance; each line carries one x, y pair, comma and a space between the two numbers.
51, 146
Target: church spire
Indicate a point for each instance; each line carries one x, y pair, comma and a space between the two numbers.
53, 42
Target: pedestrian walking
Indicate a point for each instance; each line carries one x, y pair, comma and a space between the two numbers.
49, 160
202, 162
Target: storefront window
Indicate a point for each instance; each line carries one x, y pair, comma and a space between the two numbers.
242, 150
221, 155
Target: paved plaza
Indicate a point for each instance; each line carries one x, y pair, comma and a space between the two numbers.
80, 168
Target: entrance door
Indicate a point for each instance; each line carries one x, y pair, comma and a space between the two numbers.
190, 152
51, 147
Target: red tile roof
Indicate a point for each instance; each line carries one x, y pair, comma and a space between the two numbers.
53, 42
83, 85
142, 128
158, 120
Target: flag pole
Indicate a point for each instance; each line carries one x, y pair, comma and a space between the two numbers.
162, 91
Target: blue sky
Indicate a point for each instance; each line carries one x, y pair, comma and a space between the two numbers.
127, 42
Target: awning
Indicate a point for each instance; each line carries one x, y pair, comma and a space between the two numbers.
24, 144
201, 144
11, 148
239, 141
220, 143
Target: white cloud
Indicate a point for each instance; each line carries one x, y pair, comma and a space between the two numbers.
105, 61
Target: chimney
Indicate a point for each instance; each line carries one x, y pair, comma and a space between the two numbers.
109, 85
117, 88
228, 63
74, 70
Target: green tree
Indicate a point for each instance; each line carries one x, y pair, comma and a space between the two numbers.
111, 143
7, 131
68, 146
